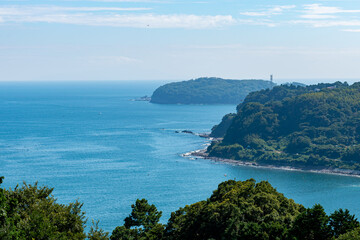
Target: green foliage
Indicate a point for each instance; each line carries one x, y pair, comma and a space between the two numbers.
123, 233
4, 221
241, 210
351, 235
306, 127
31, 212
143, 214
352, 153
208, 91
236, 210
229, 152
142, 223
97, 233
312, 224
342, 221
279, 93
298, 144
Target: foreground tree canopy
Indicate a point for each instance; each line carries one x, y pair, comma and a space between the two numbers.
208, 91
31, 212
235, 210
312, 127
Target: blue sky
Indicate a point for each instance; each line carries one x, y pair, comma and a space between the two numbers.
178, 39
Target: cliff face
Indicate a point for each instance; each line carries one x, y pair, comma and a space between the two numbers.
218, 131
207, 91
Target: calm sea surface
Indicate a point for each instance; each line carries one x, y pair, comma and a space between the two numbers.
89, 142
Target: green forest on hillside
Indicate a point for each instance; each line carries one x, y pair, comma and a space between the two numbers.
235, 210
207, 91
316, 127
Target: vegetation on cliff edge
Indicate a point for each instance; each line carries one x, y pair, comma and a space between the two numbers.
309, 127
207, 91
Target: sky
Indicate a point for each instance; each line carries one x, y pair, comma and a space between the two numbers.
179, 39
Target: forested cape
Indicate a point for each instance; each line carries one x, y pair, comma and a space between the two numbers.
236, 210
207, 91
312, 127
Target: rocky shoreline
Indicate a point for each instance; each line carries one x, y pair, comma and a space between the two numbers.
201, 153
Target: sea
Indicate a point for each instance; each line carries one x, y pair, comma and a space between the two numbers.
92, 142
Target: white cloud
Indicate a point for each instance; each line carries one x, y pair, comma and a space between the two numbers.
102, 16
108, 16
315, 15
329, 23
259, 22
318, 15
269, 12
32, 10
255, 14
318, 11
280, 9
94, 9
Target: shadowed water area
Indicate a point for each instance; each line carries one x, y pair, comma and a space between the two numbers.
90, 142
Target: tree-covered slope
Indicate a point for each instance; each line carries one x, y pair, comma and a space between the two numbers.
309, 127
207, 91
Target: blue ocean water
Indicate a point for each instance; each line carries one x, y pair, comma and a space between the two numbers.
91, 143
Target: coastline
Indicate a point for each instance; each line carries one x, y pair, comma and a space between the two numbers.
201, 153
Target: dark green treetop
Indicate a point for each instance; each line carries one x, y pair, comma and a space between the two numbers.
236, 210
142, 223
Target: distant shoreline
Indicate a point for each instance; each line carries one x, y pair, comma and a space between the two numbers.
201, 153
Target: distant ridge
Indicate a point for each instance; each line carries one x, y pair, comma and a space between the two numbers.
208, 91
